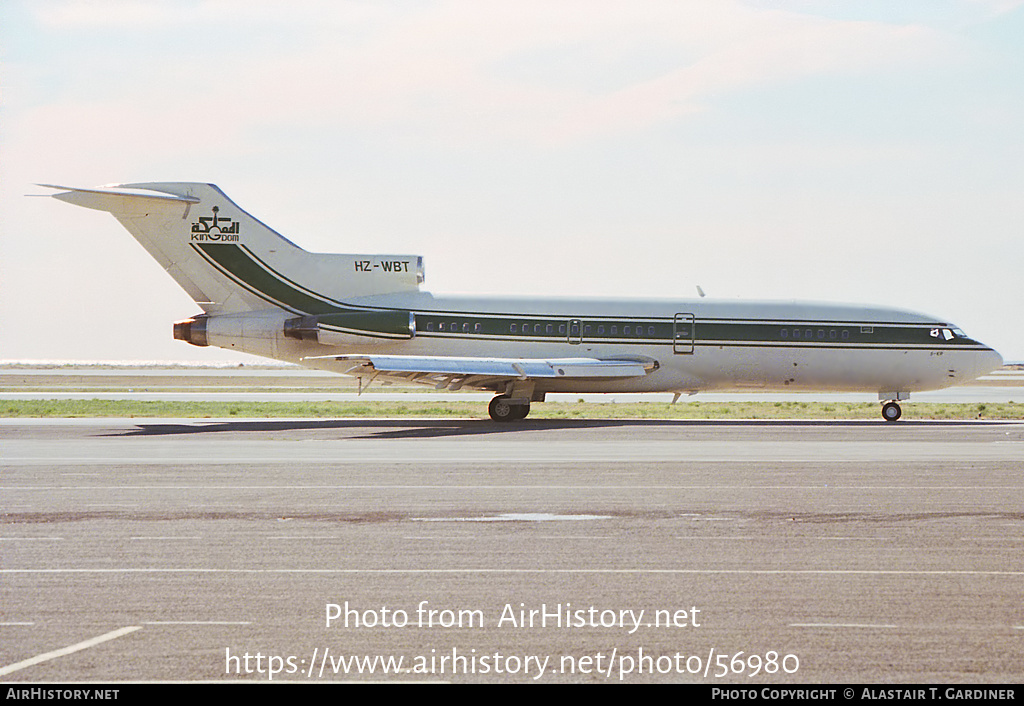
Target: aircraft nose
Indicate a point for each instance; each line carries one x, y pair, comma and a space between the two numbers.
987, 361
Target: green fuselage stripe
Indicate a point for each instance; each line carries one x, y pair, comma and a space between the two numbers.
258, 277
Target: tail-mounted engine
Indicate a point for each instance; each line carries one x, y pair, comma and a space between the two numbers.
192, 330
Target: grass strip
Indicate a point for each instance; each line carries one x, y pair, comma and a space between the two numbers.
547, 410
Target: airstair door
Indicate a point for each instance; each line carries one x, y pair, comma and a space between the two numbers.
575, 331
682, 334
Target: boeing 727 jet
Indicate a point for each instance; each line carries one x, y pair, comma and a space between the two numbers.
366, 316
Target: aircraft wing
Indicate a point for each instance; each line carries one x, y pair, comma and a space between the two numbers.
487, 373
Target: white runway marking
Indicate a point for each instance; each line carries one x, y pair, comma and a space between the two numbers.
442, 538
754, 538
197, 622
384, 486
46, 656
697, 572
839, 625
513, 517
297, 538
165, 539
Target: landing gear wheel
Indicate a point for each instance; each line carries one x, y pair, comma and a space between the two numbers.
501, 410
891, 411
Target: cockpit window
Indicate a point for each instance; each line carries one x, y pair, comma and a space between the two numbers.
947, 334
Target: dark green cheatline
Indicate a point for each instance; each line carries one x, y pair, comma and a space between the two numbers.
248, 270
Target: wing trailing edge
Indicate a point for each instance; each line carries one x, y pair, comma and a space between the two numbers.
485, 373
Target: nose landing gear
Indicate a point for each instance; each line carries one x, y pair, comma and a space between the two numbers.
891, 411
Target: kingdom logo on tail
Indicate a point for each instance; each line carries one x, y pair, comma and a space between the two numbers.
365, 315
227, 230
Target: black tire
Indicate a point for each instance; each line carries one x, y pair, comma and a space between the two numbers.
522, 410
500, 409
891, 412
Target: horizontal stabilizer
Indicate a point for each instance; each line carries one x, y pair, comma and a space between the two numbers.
230, 262
114, 198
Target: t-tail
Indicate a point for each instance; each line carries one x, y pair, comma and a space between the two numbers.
250, 278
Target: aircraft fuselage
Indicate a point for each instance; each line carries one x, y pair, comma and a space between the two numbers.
365, 315
698, 345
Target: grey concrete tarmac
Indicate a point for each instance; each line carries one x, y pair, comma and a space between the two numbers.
758, 552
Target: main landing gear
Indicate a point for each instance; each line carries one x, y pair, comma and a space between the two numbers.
891, 411
502, 409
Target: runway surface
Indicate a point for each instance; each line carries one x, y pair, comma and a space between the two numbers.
758, 552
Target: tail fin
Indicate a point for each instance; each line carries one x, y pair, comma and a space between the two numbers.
230, 262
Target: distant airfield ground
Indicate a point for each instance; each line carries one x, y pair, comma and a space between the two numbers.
33, 390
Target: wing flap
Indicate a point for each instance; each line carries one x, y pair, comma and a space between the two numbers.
508, 368
453, 372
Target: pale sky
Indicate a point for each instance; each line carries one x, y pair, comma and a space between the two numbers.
863, 151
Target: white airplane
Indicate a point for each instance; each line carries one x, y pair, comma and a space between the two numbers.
365, 315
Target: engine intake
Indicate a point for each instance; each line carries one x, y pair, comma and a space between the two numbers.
387, 323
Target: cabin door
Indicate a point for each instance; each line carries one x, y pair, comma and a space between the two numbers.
682, 334
575, 331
